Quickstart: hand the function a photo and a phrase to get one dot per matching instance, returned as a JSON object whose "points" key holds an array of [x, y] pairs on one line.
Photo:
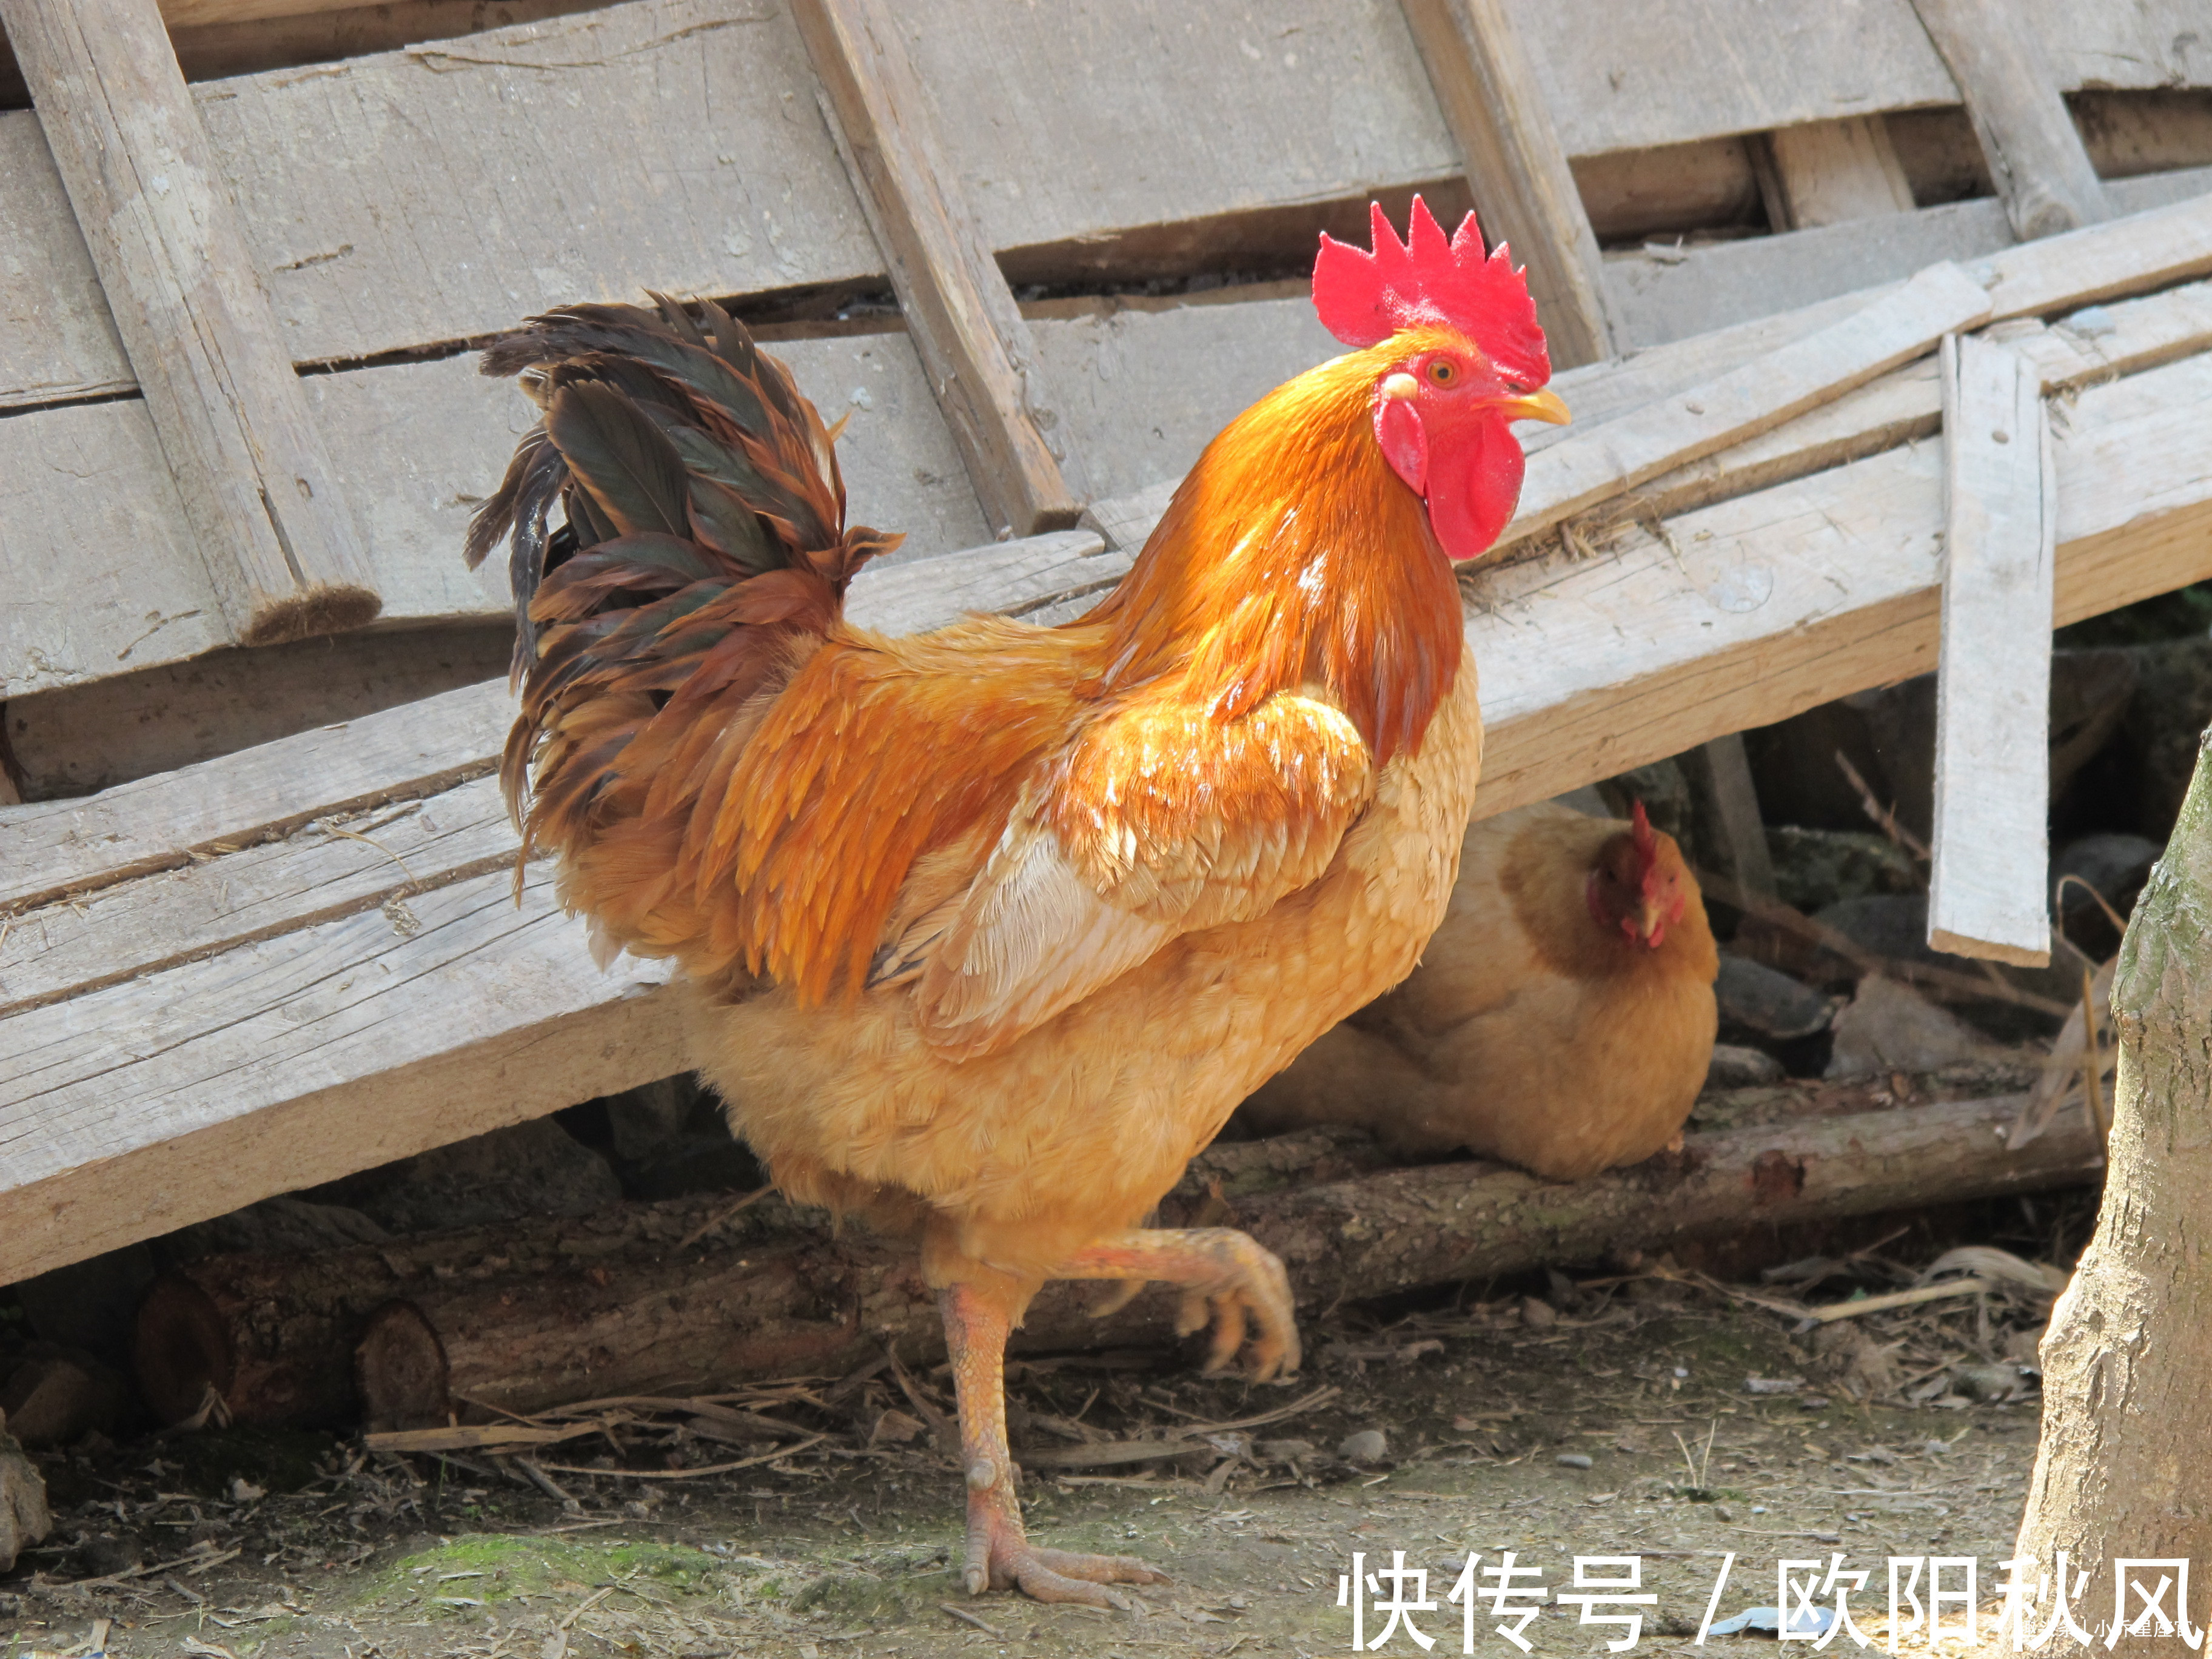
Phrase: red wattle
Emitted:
{"points": [[1405, 442], [1478, 485]]}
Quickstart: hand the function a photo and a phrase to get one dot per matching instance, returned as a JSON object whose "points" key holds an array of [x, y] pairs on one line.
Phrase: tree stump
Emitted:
{"points": [[2127, 1418]]}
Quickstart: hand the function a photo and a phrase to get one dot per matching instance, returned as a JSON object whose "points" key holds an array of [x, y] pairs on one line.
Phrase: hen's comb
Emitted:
{"points": [[1363, 298], [1647, 844]]}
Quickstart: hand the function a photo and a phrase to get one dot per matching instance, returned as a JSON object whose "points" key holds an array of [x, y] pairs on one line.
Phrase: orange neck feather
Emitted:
{"points": [[1293, 557]]}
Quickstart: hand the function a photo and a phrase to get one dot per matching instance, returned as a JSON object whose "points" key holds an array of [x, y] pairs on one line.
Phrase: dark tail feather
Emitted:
{"points": [[704, 524]]}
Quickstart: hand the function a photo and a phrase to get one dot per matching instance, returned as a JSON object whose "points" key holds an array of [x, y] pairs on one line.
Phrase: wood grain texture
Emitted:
{"points": [[1480, 72], [1632, 78], [1828, 173], [282, 556], [57, 339], [300, 1058], [1990, 851], [958, 307], [2012, 93], [1079, 122], [2152, 248], [1617, 455]]}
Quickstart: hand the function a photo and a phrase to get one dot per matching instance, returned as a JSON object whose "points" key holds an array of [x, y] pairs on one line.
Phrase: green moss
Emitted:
{"points": [[512, 1564]]}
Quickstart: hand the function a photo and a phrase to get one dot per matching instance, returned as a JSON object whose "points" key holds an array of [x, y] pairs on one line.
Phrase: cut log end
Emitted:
{"points": [[182, 1347], [326, 608], [1986, 950], [400, 1369]]}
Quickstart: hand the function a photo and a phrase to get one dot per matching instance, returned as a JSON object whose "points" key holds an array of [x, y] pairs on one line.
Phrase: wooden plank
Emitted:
{"points": [[56, 340], [1154, 113], [1615, 457], [1663, 295], [298, 1059], [1480, 72], [2150, 249], [53, 847], [75, 741], [958, 307], [1637, 77], [282, 555], [2042, 172], [1990, 853], [1828, 173], [486, 1014]]}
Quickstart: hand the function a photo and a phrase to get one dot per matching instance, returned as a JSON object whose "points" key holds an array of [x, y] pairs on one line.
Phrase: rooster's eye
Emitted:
{"points": [[1443, 371]]}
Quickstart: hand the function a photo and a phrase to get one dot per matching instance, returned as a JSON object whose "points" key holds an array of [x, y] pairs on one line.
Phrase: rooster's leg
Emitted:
{"points": [[1223, 1273], [1000, 1555]]}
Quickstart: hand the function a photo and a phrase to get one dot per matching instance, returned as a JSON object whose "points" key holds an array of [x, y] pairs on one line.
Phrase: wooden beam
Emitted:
{"points": [[1612, 458], [283, 556], [2153, 249], [958, 306], [2042, 172], [1523, 190], [1990, 851], [1830, 173]]}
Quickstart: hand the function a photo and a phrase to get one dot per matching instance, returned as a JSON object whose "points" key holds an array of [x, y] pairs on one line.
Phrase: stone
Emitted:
{"points": [[1888, 1027], [1574, 1460], [1367, 1446], [1765, 1002], [25, 1519], [1735, 1067], [1814, 868], [1664, 790], [52, 1396]]}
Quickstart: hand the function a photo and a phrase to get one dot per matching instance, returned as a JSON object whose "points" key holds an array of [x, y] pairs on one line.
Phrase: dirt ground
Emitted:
{"points": [[1612, 1418]]}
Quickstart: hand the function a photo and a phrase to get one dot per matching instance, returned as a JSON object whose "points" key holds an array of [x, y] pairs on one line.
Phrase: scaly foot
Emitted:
{"points": [[1001, 1557], [1226, 1278]]}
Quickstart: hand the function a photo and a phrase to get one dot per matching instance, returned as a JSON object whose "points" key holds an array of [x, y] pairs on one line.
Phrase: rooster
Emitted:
{"points": [[1562, 1018], [986, 931]]}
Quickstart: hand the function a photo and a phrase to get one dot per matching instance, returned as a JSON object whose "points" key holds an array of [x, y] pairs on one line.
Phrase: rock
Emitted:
{"points": [[1895, 926], [1769, 1004], [55, 1395], [276, 1226], [1734, 1068], [1368, 1446], [2116, 865], [24, 1517], [1538, 1315], [1889, 1028], [1814, 868], [1574, 1460], [1989, 1383], [91, 1305], [103, 1554], [536, 1168]]}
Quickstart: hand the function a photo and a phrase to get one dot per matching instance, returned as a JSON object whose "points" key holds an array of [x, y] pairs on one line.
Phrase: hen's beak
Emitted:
{"points": [[1544, 405]]}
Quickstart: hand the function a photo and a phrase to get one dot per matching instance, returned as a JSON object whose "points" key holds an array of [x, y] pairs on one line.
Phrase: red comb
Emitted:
{"points": [[1365, 298], [1647, 845]]}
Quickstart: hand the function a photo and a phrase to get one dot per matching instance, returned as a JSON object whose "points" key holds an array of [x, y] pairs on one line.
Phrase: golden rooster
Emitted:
{"points": [[1562, 1018], [989, 930]]}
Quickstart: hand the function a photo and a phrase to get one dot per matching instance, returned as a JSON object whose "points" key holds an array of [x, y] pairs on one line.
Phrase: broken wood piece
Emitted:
{"points": [[1911, 1298], [529, 1314], [1612, 458], [958, 306], [2035, 154], [1828, 173], [487, 1437], [1524, 193], [283, 554], [1989, 851]]}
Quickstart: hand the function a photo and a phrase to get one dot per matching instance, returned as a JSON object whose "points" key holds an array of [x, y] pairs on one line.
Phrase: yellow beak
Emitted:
{"points": [[1544, 405]]}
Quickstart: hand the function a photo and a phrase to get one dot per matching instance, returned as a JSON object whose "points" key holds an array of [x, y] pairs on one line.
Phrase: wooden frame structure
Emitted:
{"points": [[290, 961]]}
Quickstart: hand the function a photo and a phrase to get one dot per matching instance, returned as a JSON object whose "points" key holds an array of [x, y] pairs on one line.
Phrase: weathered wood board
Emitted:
{"points": [[1990, 851]]}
